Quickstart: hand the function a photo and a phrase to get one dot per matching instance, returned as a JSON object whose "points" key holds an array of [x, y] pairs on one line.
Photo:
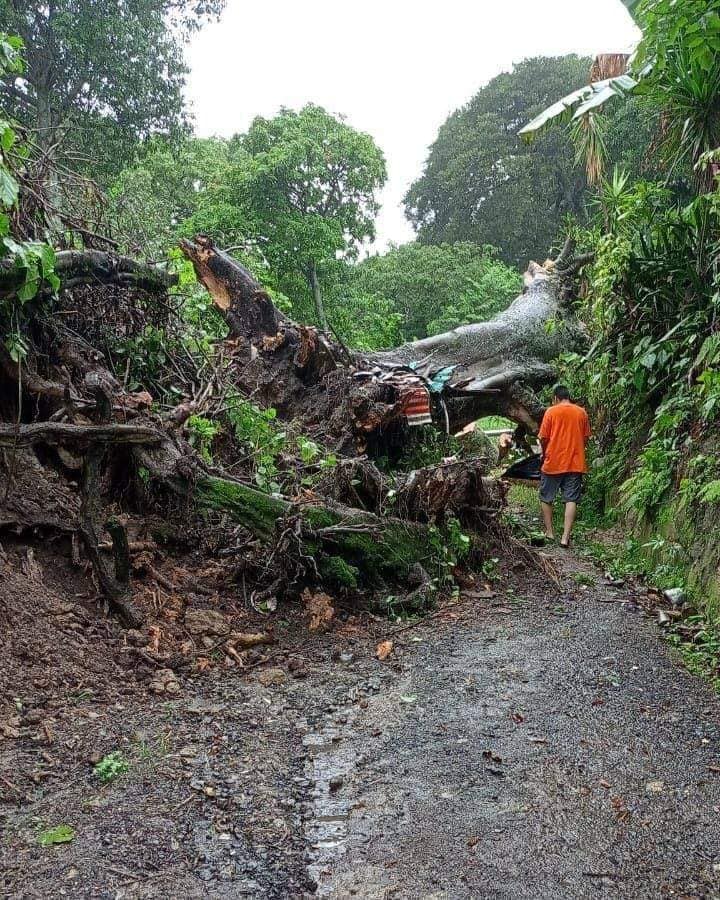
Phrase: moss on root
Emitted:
{"points": [[346, 556], [336, 571]]}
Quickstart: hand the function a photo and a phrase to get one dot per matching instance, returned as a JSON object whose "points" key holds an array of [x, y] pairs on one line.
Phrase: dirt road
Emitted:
{"points": [[539, 744], [553, 750]]}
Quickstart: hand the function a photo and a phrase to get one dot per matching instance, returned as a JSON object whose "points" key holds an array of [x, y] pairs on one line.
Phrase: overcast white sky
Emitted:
{"points": [[394, 68]]}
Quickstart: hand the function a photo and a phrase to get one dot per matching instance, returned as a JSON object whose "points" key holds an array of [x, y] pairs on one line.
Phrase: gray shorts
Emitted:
{"points": [[570, 483]]}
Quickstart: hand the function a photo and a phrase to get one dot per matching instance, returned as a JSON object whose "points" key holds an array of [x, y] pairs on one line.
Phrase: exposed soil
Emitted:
{"points": [[541, 742]]}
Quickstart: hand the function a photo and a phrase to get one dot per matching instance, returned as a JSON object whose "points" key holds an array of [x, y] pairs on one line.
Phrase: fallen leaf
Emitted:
{"points": [[622, 813], [517, 717], [408, 698], [250, 639], [715, 769], [319, 609], [60, 834], [603, 783], [473, 841], [384, 649], [655, 787]]}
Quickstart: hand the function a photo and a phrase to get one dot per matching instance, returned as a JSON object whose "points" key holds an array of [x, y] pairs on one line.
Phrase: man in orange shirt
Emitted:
{"points": [[564, 433]]}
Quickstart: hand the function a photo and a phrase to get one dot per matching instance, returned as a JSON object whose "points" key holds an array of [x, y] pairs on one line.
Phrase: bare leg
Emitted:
{"points": [[570, 514], [547, 514]]}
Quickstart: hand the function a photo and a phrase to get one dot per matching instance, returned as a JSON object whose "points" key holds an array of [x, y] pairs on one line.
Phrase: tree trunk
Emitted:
{"points": [[477, 370], [317, 297]]}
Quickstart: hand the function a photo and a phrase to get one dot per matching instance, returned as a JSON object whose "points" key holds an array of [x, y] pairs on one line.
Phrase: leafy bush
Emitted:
{"points": [[33, 261], [111, 767], [201, 432], [259, 431]]}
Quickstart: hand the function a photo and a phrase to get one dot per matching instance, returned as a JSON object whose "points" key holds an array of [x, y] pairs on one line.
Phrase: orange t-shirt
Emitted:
{"points": [[566, 429]]}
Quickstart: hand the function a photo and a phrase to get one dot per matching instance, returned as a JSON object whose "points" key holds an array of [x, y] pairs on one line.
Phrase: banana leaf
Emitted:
{"points": [[578, 104]]}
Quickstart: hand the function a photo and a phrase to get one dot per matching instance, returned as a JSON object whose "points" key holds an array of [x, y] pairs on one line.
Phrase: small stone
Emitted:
{"points": [[206, 621], [655, 787], [336, 782], [674, 596], [172, 687], [271, 677]]}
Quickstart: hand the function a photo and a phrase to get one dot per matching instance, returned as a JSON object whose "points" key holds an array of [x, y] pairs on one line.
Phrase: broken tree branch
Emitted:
{"points": [[76, 267], [63, 433]]}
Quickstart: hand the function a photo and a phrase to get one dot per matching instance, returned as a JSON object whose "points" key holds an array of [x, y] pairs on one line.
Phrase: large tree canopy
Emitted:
{"points": [[481, 183], [299, 189], [311, 186], [101, 74]]}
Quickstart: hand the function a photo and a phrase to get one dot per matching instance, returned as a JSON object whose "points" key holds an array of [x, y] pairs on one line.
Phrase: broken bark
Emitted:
{"points": [[457, 488], [487, 368]]}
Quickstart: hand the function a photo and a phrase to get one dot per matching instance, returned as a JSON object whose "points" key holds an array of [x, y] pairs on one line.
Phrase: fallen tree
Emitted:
{"points": [[80, 453], [486, 368]]}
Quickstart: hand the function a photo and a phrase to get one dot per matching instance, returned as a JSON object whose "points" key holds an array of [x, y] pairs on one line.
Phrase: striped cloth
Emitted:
{"points": [[415, 405]]}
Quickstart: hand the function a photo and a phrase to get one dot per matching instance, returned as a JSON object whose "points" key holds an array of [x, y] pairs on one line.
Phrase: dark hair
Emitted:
{"points": [[561, 392]]}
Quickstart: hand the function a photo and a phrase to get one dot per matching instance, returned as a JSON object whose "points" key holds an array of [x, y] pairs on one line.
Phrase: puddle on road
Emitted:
{"points": [[329, 768]]}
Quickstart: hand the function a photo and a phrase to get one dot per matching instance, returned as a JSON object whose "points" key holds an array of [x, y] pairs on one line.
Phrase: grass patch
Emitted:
{"points": [[492, 423]]}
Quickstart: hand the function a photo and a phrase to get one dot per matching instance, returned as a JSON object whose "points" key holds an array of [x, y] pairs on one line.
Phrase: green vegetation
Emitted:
{"points": [[651, 379], [100, 75], [60, 834], [111, 766], [430, 288], [482, 184], [31, 262], [296, 197]]}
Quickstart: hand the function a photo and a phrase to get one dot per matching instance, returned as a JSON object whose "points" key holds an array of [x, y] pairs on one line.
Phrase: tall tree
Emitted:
{"points": [[310, 182], [100, 74], [481, 183]]}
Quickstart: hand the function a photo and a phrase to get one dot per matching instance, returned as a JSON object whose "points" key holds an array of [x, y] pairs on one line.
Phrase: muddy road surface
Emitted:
{"points": [[539, 743]]}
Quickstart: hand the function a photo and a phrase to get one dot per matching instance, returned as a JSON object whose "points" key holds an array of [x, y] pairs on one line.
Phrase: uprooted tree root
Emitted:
{"points": [[82, 455]]}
